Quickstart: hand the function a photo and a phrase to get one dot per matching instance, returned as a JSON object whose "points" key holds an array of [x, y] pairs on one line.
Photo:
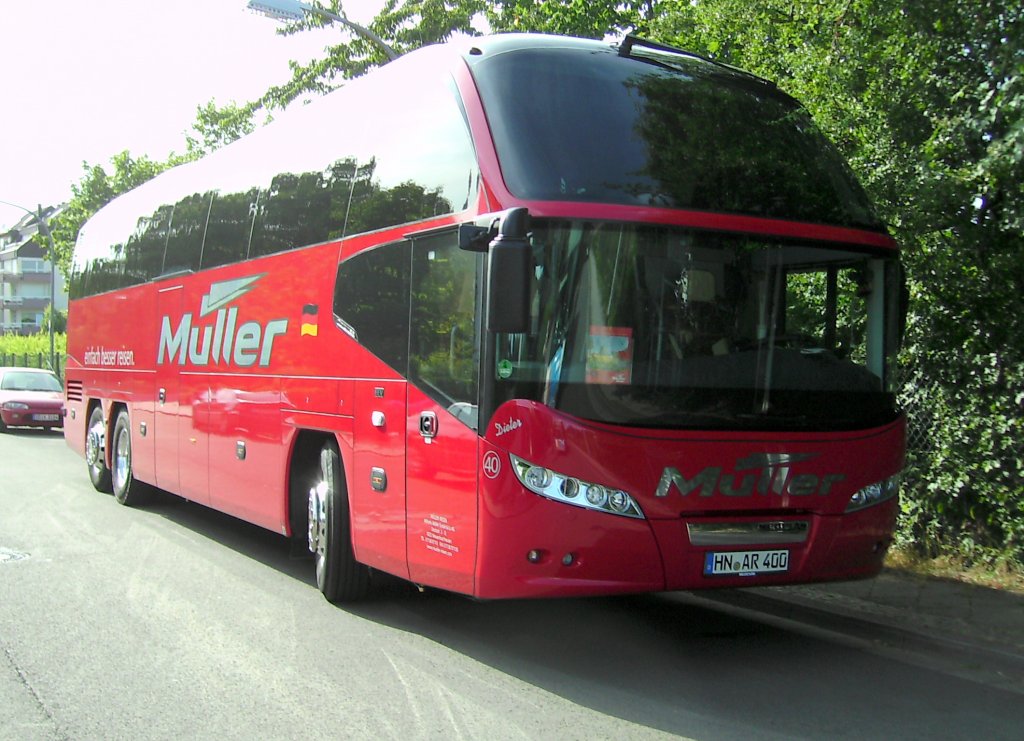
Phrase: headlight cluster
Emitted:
{"points": [[874, 493], [15, 405], [562, 488]]}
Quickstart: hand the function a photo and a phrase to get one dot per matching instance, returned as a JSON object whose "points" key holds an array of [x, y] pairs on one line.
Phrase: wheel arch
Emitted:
{"points": [[303, 469]]}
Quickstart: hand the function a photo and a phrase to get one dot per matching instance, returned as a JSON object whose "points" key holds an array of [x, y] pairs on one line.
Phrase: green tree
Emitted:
{"points": [[97, 188], [59, 319], [405, 26], [214, 127]]}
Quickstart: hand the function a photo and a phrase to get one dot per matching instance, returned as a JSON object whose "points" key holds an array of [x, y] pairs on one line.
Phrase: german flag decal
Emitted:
{"points": [[309, 320]]}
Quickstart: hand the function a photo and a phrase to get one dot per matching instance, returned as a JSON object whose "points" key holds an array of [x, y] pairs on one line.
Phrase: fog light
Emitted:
{"points": [[568, 559], [534, 556]]}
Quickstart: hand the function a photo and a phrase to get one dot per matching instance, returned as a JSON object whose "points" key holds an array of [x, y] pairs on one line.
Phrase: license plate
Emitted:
{"points": [[45, 417], [745, 563]]}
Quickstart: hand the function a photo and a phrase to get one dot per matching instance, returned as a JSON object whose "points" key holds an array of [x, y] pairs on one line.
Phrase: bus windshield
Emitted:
{"points": [[671, 328], [671, 132]]}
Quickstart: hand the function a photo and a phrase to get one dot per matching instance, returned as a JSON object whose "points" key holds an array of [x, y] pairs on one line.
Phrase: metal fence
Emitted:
{"points": [[33, 360], [921, 400]]}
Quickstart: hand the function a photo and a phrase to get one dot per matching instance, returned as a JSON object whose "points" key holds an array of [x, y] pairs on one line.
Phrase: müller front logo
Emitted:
{"points": [[771, 473], [220, 340]]}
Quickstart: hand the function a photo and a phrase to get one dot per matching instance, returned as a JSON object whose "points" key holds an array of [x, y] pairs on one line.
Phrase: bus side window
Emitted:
{"points": [[229, 228], [371, 301], [444, 360], [185, 236]]}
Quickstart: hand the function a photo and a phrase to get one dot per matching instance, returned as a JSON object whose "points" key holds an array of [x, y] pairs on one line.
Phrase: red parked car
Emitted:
{"points": [[30, 398]]}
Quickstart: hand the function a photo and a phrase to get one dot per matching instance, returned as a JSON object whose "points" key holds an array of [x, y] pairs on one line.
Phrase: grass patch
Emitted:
{"points": [[1000, 575]]}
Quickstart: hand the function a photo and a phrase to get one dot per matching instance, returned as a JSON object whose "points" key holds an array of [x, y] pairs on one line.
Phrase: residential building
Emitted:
{"points": [[25, 275]]}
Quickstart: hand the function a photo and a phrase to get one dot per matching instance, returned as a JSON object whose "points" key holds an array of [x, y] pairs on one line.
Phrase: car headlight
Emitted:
{"points": [[875, 493], [15, 406], [579, 493]]}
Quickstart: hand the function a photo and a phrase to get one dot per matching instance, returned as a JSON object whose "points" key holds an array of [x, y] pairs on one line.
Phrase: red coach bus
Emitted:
{"points": [[515, 316]]}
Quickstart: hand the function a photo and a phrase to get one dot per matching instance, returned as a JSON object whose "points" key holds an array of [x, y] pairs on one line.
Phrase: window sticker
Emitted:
{"points": [[610, 355]]}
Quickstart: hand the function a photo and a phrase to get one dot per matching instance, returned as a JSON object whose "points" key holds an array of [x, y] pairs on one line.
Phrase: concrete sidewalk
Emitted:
{"points": [[931, 607], [981, 625]]}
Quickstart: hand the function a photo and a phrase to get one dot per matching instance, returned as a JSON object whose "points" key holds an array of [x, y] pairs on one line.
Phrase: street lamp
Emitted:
{"points": [[293, 10], [44, 229]]}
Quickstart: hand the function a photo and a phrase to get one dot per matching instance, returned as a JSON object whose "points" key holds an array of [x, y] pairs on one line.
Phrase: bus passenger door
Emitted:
{"points": [[165, 418], [442, 443]]}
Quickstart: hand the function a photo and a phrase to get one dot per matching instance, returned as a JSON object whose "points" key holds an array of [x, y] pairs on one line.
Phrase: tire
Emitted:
{"points": [[95, 451], [127, 490], [338, 575]]}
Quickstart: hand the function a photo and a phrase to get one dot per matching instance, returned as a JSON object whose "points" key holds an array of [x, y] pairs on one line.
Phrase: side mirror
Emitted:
{"points": [[510, 274]]}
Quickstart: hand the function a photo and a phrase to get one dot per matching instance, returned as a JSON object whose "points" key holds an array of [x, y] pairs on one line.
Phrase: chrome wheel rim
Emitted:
{"points": [[122, 458], [94, 446], [318, 519]]}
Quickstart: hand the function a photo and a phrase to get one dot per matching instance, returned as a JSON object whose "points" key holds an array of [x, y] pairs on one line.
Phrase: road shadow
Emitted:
{"points": [[33, 432], [670, 662]]}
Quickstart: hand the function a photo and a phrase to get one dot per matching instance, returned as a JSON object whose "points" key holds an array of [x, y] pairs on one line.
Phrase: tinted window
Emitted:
{"points": [[371, 302], [185, 235], [342, 165], [675, 132], [443, 344], [229, 227]]}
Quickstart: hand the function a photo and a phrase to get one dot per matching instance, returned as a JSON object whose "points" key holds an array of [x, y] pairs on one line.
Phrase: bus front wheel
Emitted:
{"points": [[95, 450], [338, 575]]}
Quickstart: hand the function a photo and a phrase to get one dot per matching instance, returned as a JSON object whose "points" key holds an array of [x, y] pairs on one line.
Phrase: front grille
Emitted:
{"points": [[748, 533]]}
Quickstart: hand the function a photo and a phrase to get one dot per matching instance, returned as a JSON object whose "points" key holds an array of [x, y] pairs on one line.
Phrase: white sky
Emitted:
{"points": [[83, 80]]}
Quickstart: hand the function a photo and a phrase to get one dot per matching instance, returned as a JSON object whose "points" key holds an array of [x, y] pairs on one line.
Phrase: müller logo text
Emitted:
{"points": [[221, 340], [770, 473]]}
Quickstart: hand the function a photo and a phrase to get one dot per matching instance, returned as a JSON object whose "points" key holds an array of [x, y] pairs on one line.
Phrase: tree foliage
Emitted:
{"points": [[216, 126], [97, 188], [408, 25]]}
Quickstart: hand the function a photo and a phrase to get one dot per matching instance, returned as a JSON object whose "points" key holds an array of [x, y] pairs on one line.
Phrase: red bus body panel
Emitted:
{"points": [[611, 553]]}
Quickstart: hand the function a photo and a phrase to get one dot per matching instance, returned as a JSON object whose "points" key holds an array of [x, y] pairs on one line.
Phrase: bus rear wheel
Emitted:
{"points": [[127, 490], [338, 575], [95, 450]]}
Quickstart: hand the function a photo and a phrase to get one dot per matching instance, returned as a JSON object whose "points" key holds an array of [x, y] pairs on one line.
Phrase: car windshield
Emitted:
{"points": [[662, 327], [24, 381]]}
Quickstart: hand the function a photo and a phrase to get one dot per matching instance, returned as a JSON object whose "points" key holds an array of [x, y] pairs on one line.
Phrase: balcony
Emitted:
{"points": [[35, 277], [30, 302]]}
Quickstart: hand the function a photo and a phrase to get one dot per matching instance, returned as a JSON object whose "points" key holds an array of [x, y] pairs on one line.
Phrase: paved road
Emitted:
{"points": [[175, 622]]}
